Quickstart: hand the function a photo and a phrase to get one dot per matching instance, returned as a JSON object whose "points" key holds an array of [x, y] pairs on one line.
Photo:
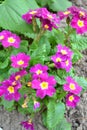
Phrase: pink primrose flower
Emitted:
{"points": [[11, 91], [28, 125], [44, 86], [72, 100], [20, 60], [72, 86], [38, 69]]}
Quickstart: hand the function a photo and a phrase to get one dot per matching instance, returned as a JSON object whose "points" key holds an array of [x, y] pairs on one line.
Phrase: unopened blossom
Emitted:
{"points": [[38, 69], [28, 125], [11, 40], [36, 104], [72, 86], [11, 91], [44, 86], [20, 60], [72, 100]]}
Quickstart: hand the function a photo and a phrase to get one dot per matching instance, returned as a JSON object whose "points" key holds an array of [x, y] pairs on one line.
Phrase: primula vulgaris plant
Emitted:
{"points": [[38, 74]]}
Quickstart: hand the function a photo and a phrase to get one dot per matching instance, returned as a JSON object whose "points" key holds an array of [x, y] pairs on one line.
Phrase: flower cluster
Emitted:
{"points": [[48, 20], [8, 38], [20, 60], [74, 89], [42, 82], [78, 18], [63, 58], [9, 88]]}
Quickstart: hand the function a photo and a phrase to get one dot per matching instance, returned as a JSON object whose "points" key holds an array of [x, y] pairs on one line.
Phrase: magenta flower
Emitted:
{"points": [[64, 14], [79, 24], [72, 100], [77, 12], [28, 125], [48, 20], [36, 105], [67, 65], [72, 86], [64, 50], [2, 91], [11, 40], [38, 69], [20, 60], [18, 75], [62, 61], [11, 91], [29, 16], [4, 34], [44, 86]]}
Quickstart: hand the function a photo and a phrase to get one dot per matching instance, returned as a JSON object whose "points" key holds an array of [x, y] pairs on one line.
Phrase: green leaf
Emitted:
{"points": [[59, 5], [13, 10], [63, 125], [78, 42], [23, 48], [76, 56], [55, 113], [7, 104], [4, 64], [82, 82], [39, 55], [12, 70]]}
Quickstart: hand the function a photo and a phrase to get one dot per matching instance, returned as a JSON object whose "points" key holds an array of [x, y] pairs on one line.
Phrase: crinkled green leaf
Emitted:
{"points": [[63, 125], [82, 82], [55, 113], [59, 5], [11, 12]]}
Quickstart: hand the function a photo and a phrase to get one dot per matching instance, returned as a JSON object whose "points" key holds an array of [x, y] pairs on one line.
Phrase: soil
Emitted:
{"points": [[77, 116]]}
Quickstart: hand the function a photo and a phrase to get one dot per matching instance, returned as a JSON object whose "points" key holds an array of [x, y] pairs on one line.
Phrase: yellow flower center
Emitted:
{"points": [[46, 26], [38, 72], [17, 77], [58, 59], [11, 40], [67, 62], [44, 85], [66, 12], [72, 86], [1, 37], [20, 62], [64, 52], [33, 12], [11, 89], [71, 98], [81, 13], [50, 16], [80, 23]]}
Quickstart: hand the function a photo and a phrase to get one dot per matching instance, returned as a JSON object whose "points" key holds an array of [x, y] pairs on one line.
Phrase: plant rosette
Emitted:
{"points": [[37, 74]]}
